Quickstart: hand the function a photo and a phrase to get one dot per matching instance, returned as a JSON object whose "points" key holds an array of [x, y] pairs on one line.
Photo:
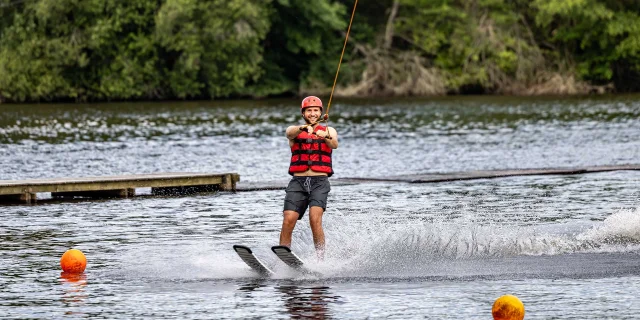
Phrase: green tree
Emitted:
{"points": [[213, 46], [193, 49], [301, 41], [111, 49], [478, 44], [603, 36]]}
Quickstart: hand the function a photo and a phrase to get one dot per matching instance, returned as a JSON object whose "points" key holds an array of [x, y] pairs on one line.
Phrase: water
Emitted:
{"points": [[567, 246]]}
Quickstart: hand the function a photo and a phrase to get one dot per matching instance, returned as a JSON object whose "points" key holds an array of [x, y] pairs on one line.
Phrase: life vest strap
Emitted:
{"points": [[311, 163], [310, 152], [308, 141]]}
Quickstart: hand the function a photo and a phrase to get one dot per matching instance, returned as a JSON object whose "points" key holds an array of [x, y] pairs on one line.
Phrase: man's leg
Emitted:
{"points": [[315, 219], [289, 220]]}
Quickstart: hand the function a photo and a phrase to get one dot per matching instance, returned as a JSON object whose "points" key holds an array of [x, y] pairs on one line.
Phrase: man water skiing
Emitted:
{"points": [[311, 146]]}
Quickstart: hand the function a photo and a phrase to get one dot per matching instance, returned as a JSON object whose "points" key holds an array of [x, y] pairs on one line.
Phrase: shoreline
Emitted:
{"points": [[336, 96]]}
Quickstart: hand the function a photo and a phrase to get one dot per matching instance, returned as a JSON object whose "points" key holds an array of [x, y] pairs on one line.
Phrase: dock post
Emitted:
{"points": [[28, 197], [229, 182]]}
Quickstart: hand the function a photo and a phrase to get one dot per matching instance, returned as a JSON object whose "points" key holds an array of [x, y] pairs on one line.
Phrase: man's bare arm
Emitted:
{"points": [[330, 139], [333, 142], [293, 131]]}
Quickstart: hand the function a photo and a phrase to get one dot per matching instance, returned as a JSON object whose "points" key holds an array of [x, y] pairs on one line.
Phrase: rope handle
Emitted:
{"points": [[304, 127]]}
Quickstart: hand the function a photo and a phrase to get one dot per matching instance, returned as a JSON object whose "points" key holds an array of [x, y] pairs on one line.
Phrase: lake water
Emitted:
{"points": [[567, 246]]}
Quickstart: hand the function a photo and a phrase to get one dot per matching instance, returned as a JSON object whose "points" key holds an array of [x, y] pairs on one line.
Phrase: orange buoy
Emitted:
{"points": [[73, 261], [508, 307]]}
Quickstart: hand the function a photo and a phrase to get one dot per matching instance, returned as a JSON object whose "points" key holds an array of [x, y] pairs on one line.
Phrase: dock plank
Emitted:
{"points": [[60, 186]]}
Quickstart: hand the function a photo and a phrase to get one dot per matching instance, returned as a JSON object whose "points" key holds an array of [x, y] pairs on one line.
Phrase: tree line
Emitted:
{"points": [[97, 50]]}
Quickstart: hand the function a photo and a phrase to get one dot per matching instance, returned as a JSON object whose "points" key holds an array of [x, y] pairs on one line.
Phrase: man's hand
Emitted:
{"points": [[306, 128], [321, 133]]}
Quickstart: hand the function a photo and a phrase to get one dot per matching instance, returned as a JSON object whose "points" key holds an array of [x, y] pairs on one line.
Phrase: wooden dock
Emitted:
{"points": [[24, 191]]}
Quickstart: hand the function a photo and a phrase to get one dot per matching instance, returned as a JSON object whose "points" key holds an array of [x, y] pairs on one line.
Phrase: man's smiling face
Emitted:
{"points": [[312, 114]]}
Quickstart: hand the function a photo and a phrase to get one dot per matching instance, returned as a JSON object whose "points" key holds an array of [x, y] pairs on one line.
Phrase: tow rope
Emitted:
{"points": [[325, 118], [335, 80]]}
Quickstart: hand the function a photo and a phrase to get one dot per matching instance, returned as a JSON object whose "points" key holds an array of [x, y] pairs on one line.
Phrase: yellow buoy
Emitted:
{"points": [[508, 307], [73, 261]]}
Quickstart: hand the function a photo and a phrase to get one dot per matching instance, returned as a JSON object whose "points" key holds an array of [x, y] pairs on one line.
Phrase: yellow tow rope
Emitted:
{"points": [[335, 80]]}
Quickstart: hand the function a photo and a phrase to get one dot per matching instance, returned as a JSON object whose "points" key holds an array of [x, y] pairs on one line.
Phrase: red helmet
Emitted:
{"points": [[311, 101]]}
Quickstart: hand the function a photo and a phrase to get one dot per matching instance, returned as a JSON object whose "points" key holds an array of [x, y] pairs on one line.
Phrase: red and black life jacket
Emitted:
{"points": [[310, 151]]}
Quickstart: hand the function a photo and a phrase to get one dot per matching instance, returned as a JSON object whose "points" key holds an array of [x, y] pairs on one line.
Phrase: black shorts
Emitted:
{"points": [[303, 192]]}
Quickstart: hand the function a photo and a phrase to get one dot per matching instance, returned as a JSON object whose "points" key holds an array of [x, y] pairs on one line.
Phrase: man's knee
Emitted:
{"points": [[315, 216], [290, 217]]}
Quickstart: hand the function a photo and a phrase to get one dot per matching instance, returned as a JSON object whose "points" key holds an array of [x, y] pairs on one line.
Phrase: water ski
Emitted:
{"points": [[288, 257], [252, 261]]}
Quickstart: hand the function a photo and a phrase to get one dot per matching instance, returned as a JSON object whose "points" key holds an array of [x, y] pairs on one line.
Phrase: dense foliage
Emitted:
{"points": [[53, 50]]}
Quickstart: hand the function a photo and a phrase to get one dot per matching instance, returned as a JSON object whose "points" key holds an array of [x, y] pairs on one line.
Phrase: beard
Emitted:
{"points": [[307, 120]]}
